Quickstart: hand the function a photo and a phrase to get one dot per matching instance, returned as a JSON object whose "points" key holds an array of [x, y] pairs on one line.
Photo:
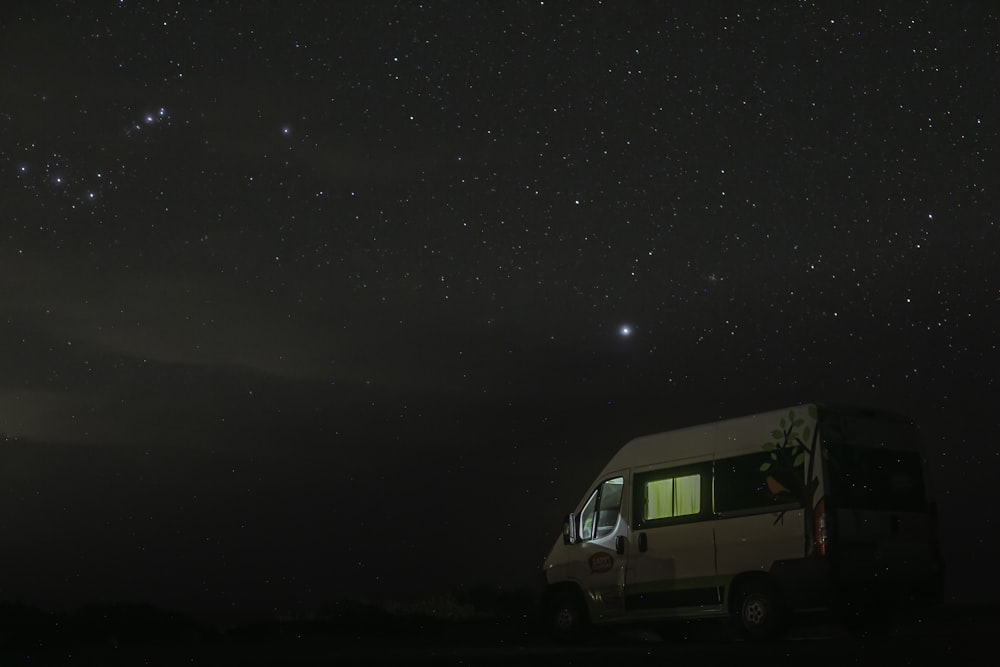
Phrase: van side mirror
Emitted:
{"points": [[569, 529]]}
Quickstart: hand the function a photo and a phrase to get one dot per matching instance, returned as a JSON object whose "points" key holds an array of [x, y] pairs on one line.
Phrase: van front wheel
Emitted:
{"points": [[760, 612], [566, 617]]}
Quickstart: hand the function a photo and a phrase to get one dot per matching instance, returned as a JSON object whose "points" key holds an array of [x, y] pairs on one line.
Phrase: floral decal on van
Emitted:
{"points": [[790, 472]]}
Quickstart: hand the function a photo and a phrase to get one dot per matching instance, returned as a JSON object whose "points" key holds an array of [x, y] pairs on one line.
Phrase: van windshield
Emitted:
{"points": [[872, 461]]}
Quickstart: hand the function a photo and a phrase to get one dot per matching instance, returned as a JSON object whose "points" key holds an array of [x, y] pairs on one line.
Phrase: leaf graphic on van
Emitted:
{"points": [[790, 472]]}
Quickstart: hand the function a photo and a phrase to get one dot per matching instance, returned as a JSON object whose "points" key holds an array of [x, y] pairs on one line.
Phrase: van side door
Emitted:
{"points": [[672, 569]]}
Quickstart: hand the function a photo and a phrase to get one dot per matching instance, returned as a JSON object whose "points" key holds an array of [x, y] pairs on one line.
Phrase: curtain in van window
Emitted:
{"points": [[674, 496]]}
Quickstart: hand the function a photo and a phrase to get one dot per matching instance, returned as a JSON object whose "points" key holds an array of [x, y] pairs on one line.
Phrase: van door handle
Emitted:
{"points": [[643, 544], [620, 545]]}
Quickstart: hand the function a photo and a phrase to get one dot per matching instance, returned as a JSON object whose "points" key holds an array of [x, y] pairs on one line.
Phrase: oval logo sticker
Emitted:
{"points": [[601, 562]]}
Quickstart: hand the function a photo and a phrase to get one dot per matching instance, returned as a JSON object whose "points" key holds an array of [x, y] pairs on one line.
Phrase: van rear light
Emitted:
{"points": [[820, 528]]}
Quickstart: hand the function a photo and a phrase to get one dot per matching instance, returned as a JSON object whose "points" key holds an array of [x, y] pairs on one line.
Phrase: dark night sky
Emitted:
{"points": [[302, 301]]}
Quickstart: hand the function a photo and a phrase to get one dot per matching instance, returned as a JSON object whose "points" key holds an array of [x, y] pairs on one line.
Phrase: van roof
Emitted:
{"points": [[705, 441]]}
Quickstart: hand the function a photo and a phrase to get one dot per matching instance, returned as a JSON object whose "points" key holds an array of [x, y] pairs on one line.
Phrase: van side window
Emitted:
{"points": [[668, 495], [741, 487], [600, 515], [673, 496]]}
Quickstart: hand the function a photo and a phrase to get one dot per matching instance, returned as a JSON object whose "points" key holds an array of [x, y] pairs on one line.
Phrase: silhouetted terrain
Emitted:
{"points": [[471, 626], [24, 628]]}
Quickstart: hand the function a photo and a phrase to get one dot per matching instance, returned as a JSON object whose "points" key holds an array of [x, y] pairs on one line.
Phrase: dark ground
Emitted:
{"points": [[353, 633]]}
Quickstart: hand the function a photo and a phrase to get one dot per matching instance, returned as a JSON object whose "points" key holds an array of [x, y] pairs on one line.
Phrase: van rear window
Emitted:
{"points": [[876, 479]]}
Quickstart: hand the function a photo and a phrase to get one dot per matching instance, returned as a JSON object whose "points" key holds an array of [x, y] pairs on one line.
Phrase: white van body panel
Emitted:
{"points": [[704, 510], [755, 542]]}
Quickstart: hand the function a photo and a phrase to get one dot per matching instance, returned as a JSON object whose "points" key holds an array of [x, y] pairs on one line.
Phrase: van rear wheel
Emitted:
{"points": [[759, 610]]}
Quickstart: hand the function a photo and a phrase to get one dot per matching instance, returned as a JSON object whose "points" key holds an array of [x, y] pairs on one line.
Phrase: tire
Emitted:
{"points": [[565, 617], [759, 611]]}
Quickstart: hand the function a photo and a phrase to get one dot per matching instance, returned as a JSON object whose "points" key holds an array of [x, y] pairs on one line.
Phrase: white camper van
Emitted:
{"points": [[803, 508]]}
